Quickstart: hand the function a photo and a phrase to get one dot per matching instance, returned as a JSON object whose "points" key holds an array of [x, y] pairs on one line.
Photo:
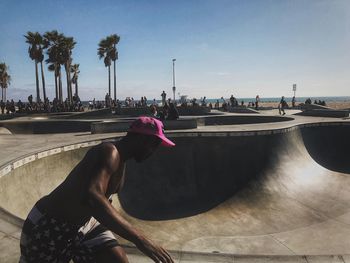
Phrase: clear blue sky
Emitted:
{"points": [[222, 47]]}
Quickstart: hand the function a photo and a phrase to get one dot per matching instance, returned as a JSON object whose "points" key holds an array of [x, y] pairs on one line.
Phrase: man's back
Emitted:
{"points": [[69, 201]]}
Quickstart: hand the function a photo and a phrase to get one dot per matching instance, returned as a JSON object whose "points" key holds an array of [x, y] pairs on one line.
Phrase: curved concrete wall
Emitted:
{"points": [[329, 146]]}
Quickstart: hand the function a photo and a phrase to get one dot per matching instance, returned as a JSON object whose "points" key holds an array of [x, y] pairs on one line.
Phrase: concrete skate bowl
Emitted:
{"points": [[260, 193]]}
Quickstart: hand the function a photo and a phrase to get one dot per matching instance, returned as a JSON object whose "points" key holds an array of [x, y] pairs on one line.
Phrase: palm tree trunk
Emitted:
{"points": [[60, 85], [5, 94], [68, 88], [115, 81], [2, 93], [56, 86], [43, 80], [76, 87], [109, 80], [70, 84], [37, 82]]}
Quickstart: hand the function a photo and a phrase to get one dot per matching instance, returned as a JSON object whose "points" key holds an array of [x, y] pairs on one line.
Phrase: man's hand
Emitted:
{"points": [[157, 253]]}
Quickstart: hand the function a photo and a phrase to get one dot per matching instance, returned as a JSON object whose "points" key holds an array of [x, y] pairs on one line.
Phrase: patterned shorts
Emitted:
{"points": [[48, 239]]}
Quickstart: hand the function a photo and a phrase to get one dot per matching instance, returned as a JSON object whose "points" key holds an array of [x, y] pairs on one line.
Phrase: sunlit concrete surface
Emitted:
{"points": [[296, 205]]}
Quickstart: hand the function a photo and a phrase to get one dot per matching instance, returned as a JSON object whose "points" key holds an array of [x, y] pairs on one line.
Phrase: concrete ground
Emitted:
{"points": [[327, 240]]}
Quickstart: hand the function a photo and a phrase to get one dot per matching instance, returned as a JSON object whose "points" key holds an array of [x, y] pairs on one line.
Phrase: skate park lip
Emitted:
{"points": [[305, 218], [44, 124]]}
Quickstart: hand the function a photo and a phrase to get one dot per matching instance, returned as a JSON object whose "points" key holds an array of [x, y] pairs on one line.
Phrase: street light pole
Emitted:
{"points": [[174, 88]]}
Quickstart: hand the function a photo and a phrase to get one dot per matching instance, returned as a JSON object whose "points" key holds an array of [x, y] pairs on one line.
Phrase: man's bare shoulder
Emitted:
{"points": [[106, 154]]}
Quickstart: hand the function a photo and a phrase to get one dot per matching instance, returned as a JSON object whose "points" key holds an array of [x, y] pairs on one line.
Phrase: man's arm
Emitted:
{"points": [[107, 215]]}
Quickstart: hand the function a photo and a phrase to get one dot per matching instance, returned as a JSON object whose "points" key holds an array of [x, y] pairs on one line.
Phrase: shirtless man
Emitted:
{"points": [[76, 220]]}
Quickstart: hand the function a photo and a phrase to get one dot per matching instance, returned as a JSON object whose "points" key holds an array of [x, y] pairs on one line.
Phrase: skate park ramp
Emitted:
{"points": [[276, 193]]}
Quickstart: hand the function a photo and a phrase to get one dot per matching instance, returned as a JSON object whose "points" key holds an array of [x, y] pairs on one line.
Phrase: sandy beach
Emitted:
{"points": [[337, 105]]}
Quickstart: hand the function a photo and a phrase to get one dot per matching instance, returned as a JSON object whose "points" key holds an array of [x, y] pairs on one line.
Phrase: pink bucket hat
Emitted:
{"points": [[150, 126]]}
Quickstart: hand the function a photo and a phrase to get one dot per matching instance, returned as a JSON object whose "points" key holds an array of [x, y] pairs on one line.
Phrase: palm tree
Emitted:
{"points": [[42, 45], [104, 51], [67, 45], [75, 70], [5, 80], [35, 40], [53, 41], [114, 40]]}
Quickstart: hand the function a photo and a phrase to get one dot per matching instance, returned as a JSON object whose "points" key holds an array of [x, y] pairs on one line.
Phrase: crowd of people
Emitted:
{"points": [[47, 106], [317, 102], [166, 110]]}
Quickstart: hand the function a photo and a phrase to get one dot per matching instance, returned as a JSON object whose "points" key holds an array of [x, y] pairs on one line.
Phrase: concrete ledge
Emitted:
{"points": [[193, 110], [325, 113], [133, 112], [183, 111], [123, 126], [241, 109], [46, 126], [240, 119], [110, 126], [106, 113], [304, 106]]}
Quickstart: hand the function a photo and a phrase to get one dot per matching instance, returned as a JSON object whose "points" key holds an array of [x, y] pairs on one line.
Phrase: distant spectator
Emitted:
{"points": [[108, 100], [257, 100], [153, 111], [173, 113], [163, 95], [204, 103], [163, 114], [282, 105], [12, 107], [30, 99], [217, 104], [194, 102], [2, 105], [224, 106], [308, 101], [8, 107], [293, 101], [232, 100]]}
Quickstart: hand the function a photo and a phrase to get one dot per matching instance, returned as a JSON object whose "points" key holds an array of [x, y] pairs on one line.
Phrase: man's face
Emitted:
{"points": [[147, 146]]}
